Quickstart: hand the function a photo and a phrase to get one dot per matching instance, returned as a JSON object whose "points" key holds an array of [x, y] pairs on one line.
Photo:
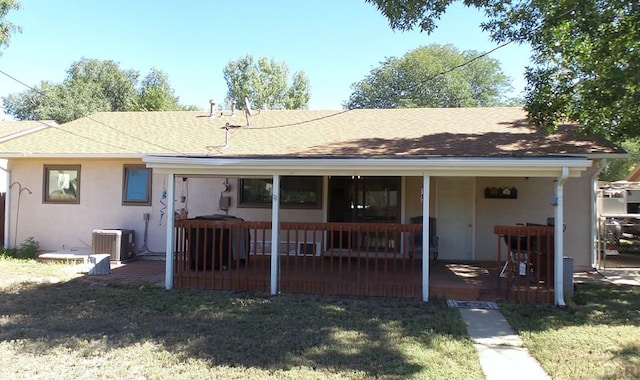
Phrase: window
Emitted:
{"points": [[136, 186], [295, 192], [61, 184]]}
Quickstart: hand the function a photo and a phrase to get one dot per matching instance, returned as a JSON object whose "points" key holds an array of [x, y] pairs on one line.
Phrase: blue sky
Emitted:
{"points": [[335, 42]]}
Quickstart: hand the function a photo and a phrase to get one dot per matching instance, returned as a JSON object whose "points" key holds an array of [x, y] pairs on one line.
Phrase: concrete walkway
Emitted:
{"points": [[502, 355]]}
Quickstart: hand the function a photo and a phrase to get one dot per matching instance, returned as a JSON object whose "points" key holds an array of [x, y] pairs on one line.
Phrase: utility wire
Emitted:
{"points": [[467, 62], [92, 119]]}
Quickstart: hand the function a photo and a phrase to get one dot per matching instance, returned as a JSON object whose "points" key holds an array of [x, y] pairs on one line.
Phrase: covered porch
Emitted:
{"points": [[377, 260], [368, 259]]}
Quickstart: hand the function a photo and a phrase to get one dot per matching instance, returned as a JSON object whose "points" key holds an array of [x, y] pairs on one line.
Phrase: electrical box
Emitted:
{"points": [[224, 203]]}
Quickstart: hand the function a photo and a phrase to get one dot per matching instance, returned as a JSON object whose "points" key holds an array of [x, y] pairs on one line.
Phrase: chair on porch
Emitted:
{"points": [[415, 242]]}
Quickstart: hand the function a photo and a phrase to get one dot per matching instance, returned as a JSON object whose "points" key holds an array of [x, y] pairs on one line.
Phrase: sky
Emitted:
{"points": [[334, 42]]}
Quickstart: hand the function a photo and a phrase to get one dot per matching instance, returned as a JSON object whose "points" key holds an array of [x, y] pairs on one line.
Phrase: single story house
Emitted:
{"points": [[467, 169]]}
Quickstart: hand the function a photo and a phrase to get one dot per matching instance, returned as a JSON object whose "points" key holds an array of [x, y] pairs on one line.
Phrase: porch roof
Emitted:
{"points": [[463, 167], [468, 133]]}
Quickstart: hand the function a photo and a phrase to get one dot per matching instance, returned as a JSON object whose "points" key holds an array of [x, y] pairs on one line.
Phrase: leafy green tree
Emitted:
{"points": [[617, 170], [50, 101], [104, 81], [156, 94], [6, 27], [90, 86], [415, 80], [586, 55], [264, 82]]}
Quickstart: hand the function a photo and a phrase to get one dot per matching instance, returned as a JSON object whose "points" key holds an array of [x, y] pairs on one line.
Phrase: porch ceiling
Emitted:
{"points": [[452, 167]]}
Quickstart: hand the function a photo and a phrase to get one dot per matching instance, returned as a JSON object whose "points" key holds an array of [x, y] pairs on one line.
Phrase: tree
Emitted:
{"points": [[415, 81], [265, 84], [617, 170], [90, 86], [586, 55], [104, 81], [156, 94], [6, 27]]}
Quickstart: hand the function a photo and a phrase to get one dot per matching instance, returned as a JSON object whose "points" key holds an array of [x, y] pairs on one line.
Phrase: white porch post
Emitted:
{"points": [[425, 237], [275, 230], [168, 275], [558, 247]]}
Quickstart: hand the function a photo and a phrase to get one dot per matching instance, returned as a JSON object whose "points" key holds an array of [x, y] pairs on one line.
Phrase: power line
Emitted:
{"points": [[92, 119], [467, 62]]}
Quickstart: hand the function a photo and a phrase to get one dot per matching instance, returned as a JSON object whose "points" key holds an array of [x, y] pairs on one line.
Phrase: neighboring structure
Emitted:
{"points": [[470, 168], [619, 224], [620, 197], [634, 176]]}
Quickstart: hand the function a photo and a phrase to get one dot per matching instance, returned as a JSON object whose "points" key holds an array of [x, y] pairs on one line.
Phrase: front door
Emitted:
{"points": [[362, 200], [456, 211]]}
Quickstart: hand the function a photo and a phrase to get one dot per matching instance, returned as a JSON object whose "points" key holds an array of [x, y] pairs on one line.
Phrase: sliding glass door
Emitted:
{"points": [[363, 200]]}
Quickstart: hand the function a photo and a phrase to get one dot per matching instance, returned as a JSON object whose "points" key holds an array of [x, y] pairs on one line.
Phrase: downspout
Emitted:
{"points": [[594, 212], [559, 241], [168, 275], [275, 230], [425, 238]]}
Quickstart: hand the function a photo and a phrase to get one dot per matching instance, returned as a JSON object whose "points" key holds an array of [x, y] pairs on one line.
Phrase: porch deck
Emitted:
{"points": [[460, 281], [350, 259]]}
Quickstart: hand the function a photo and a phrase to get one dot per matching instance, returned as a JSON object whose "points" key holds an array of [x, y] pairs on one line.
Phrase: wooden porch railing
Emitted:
{"points": [[318, 258], [527, 264]]}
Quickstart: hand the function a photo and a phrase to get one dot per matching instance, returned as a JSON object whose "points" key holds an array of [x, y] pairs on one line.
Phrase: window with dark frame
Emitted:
{"points": [[295, 192], [61, 184], [136, 185]]}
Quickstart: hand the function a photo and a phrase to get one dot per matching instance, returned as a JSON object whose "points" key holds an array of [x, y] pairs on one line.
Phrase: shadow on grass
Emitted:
{"points": [[593, 304], [334, 333], [628, 359]]}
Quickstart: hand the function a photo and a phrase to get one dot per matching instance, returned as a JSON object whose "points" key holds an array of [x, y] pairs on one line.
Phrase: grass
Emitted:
{"points": [[56, 325], [595, 337]]}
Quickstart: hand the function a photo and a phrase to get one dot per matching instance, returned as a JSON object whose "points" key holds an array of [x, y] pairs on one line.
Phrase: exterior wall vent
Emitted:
{"points": [[117, 243]]}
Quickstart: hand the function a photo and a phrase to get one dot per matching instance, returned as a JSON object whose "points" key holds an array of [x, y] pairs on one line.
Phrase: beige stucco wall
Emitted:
{"points": [[534, 206], [70, 226], [411, 194]]}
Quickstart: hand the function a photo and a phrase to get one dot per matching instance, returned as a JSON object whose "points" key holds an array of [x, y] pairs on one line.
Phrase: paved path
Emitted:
{"points": [[502, 355]]}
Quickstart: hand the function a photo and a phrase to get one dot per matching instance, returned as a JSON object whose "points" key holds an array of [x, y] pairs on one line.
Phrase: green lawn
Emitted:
{"points": [[56, 325], [595, 337]]}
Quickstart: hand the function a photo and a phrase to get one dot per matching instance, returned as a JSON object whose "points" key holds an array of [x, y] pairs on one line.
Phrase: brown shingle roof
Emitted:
{"points": [[415, 132]]}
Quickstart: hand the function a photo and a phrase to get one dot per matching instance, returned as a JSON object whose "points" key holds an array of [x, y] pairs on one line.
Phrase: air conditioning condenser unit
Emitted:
{"points": [[118, 243]]}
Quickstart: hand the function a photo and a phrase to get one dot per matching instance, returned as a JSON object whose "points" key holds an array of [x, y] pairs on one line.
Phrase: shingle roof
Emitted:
{"points": [[415, 132], [11, 127]]}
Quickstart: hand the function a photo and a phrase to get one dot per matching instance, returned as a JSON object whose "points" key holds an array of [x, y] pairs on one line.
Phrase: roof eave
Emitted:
{"points": [[10, 155], [463, 167]]}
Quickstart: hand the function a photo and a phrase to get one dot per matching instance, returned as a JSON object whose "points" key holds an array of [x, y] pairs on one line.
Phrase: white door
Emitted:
{"points": [[455, 217]]}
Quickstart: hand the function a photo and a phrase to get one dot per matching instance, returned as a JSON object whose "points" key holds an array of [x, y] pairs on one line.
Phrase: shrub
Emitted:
{"points": [[28, 249]]}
